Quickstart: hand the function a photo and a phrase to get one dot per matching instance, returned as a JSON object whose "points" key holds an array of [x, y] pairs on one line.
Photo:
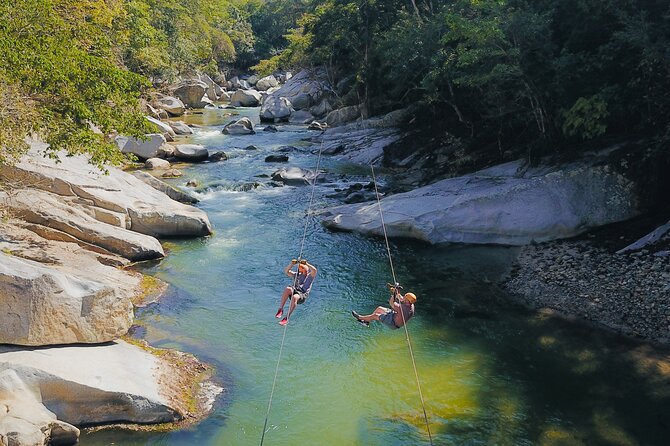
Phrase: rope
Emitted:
{"points": [[295, 281], [402, 313]]}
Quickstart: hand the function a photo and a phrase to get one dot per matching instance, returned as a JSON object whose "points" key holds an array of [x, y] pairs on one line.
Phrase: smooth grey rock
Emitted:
{"points": [[276, 109], [143, 149], [148, 210], [266, 82], [303, 101], [48, 209], [172, 173], [170, 191], [116, 382], [246, 98], [252, 79], [191, 92], [157, 164], [301, 117], [497, 206], [163, 128], [321, 109], [270, 128], [213, 89], [242, 126], [293, 176], [172, 105], [343, 116], [24, 421], [180, 128], [191, 152], [313, 83]]}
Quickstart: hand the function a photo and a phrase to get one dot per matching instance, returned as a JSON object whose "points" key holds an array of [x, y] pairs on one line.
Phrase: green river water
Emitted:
{"points": [[492, 373]]}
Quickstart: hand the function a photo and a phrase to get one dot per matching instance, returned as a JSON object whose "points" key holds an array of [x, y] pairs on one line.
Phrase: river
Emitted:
{"points": [[491, 372]]}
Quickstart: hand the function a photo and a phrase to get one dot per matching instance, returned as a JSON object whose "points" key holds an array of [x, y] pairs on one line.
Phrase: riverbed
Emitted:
{"points": [[491, 372]]}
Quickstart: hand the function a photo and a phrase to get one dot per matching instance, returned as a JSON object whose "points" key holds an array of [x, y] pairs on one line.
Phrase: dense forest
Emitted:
{"points": [[527, 76]]}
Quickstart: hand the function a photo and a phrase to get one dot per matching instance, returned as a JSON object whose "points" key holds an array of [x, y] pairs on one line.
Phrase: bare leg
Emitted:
{"points": [[374, 316], [284, 297], [294, 302]]}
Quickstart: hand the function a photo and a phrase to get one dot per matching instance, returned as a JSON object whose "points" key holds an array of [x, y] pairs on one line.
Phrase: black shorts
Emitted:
{"points": [[301, 295]]}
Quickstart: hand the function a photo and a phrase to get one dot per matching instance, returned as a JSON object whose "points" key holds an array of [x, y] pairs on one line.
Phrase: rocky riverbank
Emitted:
{"points": [[628, 292], [68, 233]]}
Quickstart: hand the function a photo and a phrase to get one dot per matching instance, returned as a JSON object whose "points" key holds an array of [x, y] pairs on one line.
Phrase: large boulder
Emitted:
{"points": [[242, 126], [181, 128], [147, 210], [343, 115], [213, 89], [238, 83], [25, 420], [308, 86], [112, 383], [42, 306], [301, 117], [294, 176], [170, 191], [172, 105], [157, 164], [144, 149], [191, 152], [163, 128], [276, 109], [245, 98], [53, 211], [499, 206], [321, 109], [191, 92], [266, 83]]}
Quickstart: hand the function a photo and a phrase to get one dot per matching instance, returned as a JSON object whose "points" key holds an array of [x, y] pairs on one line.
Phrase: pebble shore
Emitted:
{"points": [[629, 293]]}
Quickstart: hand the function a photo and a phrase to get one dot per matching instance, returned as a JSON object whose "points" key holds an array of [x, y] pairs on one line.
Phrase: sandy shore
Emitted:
{"points": [[629, 293]]}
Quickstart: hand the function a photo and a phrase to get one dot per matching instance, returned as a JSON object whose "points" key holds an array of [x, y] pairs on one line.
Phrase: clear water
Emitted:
{"points": [[492, 373]]}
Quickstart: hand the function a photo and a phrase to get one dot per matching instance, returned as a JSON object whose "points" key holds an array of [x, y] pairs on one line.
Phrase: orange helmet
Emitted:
{"points": [[410, 297]]}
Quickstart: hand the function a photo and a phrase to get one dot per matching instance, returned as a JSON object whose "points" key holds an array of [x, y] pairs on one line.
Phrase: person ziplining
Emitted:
{"points": [[299, 291], [401, 311]]}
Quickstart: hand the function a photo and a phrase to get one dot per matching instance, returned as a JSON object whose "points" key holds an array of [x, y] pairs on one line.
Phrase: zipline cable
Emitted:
{"points": [[402, 313], [295, 281]]}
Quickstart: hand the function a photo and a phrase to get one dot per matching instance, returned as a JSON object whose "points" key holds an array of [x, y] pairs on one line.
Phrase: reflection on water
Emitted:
{"points": [[492, 373]]}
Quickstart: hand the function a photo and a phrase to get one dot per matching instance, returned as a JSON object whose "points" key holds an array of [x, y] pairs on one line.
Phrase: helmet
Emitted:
{"points": [[303, 268], [410, 297]]}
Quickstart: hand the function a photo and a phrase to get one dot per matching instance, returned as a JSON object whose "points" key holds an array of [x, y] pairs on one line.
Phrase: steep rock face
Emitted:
{"points": [[43, 305], [149, 211], [499, 206]]}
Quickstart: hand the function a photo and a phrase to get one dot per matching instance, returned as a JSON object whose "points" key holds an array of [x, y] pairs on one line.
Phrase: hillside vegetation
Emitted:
{"points": [[519, 76]]}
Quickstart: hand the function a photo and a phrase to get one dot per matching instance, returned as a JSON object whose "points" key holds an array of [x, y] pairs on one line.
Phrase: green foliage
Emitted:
{"points": [[56, 56], [587, 118], [505, 74]]}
